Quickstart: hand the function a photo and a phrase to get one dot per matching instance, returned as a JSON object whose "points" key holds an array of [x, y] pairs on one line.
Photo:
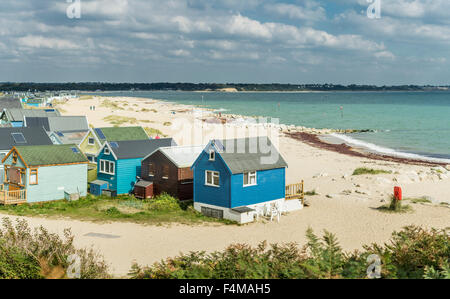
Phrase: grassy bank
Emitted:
{"points": [[163, 209]]}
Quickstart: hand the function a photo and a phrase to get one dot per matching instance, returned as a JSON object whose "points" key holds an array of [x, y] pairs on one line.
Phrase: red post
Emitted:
{"points": [[398, 193]]}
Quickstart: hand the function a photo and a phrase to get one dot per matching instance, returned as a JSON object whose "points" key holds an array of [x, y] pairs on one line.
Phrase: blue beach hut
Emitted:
{"points": [[235, 178]]}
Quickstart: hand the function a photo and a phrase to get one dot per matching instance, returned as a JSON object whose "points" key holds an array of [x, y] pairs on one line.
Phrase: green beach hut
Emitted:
{"points": [[43, 173]]}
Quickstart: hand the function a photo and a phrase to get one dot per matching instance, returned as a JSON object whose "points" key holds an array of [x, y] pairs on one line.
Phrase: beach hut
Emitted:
{"points": [[94, 140], [8, 102], [10, 137], [119, 162], [43, 173], [15, 117], [168, 169], [236, 179]]}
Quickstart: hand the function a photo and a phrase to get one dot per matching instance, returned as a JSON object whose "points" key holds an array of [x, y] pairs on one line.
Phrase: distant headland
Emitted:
{"points": [[211, 87]]}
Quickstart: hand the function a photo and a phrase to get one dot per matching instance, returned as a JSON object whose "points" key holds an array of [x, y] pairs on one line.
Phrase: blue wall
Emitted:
{"points": [[111, 179], [126, 171], [218, 196], [271, 185]]}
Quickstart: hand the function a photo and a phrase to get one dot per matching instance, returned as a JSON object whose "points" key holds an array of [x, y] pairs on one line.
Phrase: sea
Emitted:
{"points": [[405, 124]]}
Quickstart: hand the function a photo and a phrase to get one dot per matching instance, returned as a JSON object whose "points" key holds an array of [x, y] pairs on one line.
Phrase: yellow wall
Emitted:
{"points": [[90, 149]]}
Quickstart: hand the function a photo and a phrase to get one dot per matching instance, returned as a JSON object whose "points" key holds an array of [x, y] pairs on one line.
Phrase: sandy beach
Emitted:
{"points": [[345, 204]]}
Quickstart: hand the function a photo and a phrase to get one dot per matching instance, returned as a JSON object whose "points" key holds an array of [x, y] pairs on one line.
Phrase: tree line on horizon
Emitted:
{"points": [[104, 86]]}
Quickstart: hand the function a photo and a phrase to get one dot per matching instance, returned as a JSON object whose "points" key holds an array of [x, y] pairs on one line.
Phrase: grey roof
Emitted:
{"points": [[9, 102], [247, 154], [182, 156], [19, 114], [59, 123], [41, 122], [143, 183], [132, 149], [33, 136], [70, 137]]}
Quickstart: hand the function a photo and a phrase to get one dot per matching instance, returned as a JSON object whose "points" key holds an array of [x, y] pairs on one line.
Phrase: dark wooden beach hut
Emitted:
{"points": [[168, 170]]}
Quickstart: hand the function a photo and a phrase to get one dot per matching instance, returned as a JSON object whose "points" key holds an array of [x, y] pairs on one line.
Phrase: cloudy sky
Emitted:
{"points": [[258, 41]]}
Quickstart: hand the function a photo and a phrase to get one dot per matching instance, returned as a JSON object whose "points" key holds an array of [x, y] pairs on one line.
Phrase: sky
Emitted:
{"points": [[236, 41]]}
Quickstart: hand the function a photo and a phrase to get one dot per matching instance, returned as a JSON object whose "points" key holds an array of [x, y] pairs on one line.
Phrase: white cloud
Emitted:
{"points": [[33, 41], [311, 11]]}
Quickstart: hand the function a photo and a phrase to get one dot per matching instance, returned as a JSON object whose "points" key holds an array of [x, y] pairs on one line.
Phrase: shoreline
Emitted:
{"points": [[343, 148], [308, 135]]}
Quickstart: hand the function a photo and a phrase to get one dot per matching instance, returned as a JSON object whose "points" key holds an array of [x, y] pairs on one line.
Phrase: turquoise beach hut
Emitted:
{"points": [[43, 173], [119, 163]]}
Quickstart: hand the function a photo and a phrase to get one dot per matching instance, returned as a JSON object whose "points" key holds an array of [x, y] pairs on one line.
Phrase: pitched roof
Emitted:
{"points": [[120, 133], [132, 149], [33, 136], [59, 123], [9, 102], [74, 137], [182, 156], [51, 154], [247, 154], [14, 114]]}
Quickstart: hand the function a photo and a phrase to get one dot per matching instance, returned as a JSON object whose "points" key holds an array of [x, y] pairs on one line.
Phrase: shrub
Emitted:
{"points": [[165, 202], [411, 253], [37, 253]]}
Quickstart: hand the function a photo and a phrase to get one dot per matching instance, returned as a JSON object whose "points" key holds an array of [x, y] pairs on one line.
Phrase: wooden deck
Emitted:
{"points": [[295, 191], [12, 197]]}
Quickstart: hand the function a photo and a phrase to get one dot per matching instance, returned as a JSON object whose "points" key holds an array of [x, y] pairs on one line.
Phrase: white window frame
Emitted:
{"points": [[212, 155], [89, 141], [250, 174], [107, 151], [213, 175], [111, 165]]}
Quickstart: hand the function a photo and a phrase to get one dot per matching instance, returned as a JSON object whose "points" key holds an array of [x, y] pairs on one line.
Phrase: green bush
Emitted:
{"points": [[411, 253], [27, 253], [17, 264], [165, 202]]}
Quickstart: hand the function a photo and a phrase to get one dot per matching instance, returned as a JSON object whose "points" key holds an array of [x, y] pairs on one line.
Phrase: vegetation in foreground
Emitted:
{"points": [[412, 253], [163, 209], [364, 170], [36, 254]]}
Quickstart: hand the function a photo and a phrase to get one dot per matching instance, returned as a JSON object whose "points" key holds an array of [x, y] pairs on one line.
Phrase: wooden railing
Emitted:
{"points": [[295, 191], [12, 197]]}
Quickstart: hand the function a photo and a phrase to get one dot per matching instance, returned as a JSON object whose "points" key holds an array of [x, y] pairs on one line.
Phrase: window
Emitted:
{"points": [[212, 178], [14, 158], [18, 138], [107, 167], [91, 158], [151, 169], [212, 155], [91, 141], [250, 178], [165, 172], [214, 213], [107, 151], [33, 176]]}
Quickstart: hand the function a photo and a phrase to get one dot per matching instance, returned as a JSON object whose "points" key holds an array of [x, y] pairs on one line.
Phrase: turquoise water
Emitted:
{"points": [[407, 122]]}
